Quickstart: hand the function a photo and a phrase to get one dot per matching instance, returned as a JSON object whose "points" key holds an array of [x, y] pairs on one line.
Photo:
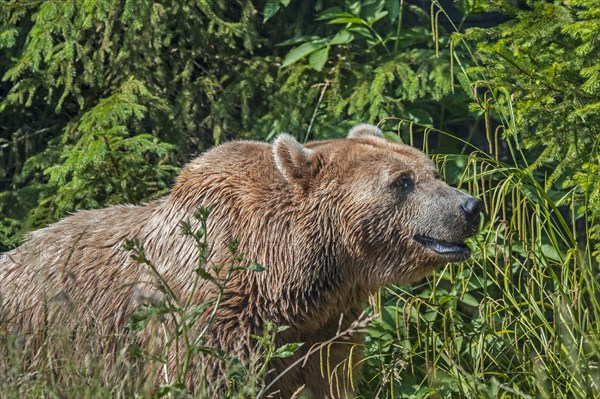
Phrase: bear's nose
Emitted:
{"points": [[472, 208]]}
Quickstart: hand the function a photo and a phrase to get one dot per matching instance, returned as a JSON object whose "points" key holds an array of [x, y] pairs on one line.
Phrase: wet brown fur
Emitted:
{"points": [[325, 219]]}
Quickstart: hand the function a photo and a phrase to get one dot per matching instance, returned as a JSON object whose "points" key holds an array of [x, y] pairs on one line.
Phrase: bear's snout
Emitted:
{"points": [[472, 208]]}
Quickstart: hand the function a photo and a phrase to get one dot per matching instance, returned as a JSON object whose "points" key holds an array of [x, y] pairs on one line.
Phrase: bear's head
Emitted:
{"points": [[384, 202]]}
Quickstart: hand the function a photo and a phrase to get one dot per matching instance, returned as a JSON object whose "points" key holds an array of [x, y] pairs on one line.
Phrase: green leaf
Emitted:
{"points": [[348, 20], [420, 116], [330, 13], [204, 274], [287, 350], [318, 59], [470, 300], [342, 37], [297, 53], [550, 252], [255, 267], [233, 246], [141, 316], [271, 8], [280, 329], [175, 390], [300, 39], [393, 9], [198, 310], [392, 137]]}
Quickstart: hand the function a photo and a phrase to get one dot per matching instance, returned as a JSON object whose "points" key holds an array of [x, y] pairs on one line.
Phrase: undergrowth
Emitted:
{"points": [[172, 363], [518, 320]]}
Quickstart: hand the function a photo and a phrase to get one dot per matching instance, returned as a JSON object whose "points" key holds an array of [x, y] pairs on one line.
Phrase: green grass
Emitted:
{"points": [[519, 320]]}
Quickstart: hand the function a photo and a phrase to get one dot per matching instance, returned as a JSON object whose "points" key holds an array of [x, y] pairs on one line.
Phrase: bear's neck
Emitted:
{"points": [[308, 282]]}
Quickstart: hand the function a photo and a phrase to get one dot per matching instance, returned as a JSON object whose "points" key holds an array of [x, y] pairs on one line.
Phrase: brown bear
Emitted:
{"points": [[330, 221]]}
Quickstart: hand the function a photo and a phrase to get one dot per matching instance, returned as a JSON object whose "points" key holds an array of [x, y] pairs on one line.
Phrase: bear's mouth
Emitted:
{"points": [[456, 250]]}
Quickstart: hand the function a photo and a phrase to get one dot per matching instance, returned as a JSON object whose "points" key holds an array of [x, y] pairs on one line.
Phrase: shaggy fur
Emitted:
{"points": [[331, 221]]}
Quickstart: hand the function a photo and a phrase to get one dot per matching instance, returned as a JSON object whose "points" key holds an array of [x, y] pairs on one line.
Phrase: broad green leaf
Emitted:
{"points": [[393, 9], [469, 300], [420, 116], [392, 137], [287, 350], [550, 252], [355, 6], [348, 20], [342, 37], [318, 59], [373, 11], [297, 53], [271, 8], [430, 316], [376, 17], [331, 13], [300, 39]]}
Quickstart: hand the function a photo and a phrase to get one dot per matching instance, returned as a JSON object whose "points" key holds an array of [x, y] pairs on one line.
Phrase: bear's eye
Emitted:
{"points": [[403, 183]]}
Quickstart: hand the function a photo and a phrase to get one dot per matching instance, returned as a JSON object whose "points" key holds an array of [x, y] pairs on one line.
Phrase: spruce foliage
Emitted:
{"points": [[94, 92], [543, 70], [546, 60]]}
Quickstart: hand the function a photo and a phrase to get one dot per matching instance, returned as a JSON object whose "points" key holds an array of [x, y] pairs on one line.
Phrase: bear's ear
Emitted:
{"points": [[293, 160], [363, 130]]}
